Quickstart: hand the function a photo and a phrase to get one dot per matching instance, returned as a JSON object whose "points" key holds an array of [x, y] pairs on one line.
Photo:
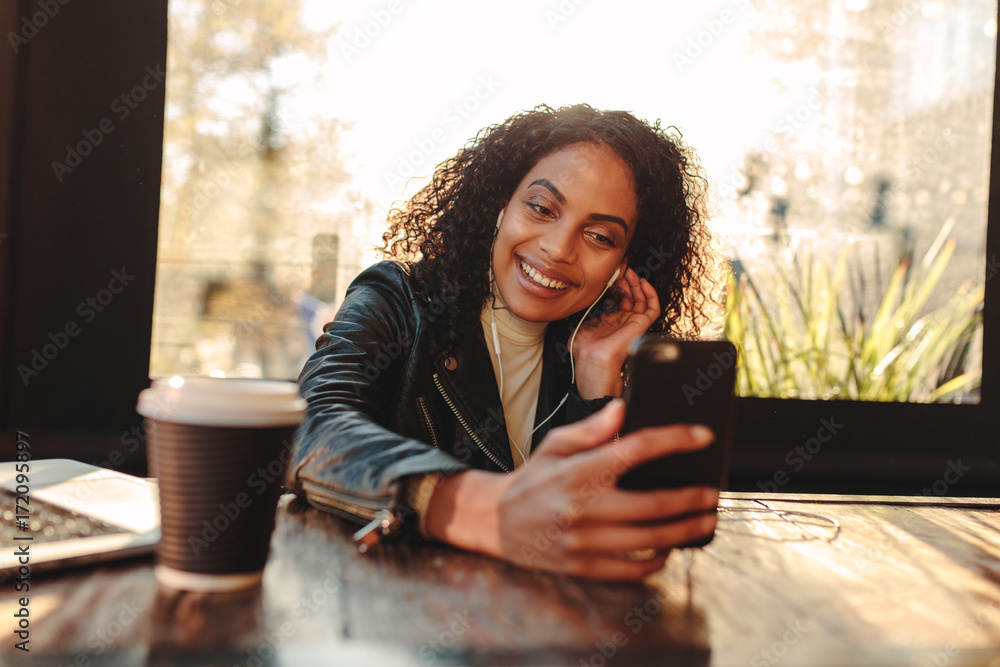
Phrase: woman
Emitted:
{"points": [[456, 394]]}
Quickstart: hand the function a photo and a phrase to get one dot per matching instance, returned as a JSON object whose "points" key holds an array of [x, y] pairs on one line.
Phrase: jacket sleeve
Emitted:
{"points": [[346, 458], [580, 408]]}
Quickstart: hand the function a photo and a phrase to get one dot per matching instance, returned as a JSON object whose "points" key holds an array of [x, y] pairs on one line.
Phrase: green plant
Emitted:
{"points": [[805, 336]]}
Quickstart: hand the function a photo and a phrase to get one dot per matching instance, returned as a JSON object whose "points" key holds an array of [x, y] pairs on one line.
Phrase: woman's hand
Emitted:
{"points": [[599, 350], [563, 511]]}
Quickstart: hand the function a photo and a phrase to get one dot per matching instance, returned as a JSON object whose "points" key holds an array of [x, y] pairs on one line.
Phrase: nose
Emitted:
{"points": [[559, 242]]}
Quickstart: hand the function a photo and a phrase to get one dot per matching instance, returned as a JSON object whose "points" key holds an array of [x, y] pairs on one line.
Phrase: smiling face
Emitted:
{"points": [[564, 232]]}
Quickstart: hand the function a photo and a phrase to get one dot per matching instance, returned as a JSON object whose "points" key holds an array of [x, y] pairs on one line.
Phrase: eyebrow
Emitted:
{"points": [[599, 217]]}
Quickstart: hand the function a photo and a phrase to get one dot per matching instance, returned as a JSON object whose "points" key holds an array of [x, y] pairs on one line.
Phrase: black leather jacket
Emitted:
{"points": [[387, 404]]}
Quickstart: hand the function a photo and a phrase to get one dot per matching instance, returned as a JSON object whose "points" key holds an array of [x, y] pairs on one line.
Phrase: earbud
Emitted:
{"points": [[614, 277], [500, 217], [496, 336]]}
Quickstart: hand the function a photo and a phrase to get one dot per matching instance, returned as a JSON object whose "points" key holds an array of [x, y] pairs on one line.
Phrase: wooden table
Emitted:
{"points": [[810, 580]]}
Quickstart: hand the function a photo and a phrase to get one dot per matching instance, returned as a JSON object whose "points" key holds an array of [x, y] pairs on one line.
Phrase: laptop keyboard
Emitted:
{"points": [[46, 522]]}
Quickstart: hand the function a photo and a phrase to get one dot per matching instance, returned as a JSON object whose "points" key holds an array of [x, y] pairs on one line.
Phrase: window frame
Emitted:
{"points": [[64, 239], [939, 449]]}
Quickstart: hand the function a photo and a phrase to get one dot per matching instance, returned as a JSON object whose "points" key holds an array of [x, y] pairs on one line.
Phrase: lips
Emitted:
{"points": [[537, 277]]}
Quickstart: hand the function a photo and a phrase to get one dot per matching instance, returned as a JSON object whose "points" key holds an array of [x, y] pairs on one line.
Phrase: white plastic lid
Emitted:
{"points": [[208, 401]]}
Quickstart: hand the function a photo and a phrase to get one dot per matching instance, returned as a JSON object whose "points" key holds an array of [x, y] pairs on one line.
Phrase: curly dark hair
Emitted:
{"points": [[445, 231]]}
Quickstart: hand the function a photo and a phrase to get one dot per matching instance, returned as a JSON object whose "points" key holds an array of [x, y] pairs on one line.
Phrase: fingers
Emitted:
{"points": [[645, 445], [652, 300], [617, 550], [597, 429], [660, 505], [601, 539], [639, 296], [626, 302]]}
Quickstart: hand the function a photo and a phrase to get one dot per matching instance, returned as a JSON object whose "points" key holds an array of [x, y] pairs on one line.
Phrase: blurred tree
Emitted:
{"points": [[250, 168]]}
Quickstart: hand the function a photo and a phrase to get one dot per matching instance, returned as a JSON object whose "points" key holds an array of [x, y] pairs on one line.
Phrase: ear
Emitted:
{"points": [[622, 268], [614, 276]]}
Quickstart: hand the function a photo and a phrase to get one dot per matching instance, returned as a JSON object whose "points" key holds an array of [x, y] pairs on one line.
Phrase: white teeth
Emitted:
{"points": [[542, 280]]}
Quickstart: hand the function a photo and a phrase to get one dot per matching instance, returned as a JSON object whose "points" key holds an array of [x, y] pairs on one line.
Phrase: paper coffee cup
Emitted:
{"points": [[219, 449]]}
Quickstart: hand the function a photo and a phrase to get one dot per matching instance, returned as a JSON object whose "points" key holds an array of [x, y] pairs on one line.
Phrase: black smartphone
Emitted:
{"points": [[671, 381]]}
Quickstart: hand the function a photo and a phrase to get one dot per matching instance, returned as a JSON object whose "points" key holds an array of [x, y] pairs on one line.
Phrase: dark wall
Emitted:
{"points": [[81, 176]]}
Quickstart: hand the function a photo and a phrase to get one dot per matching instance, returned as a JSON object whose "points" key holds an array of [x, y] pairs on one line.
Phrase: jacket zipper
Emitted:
{"points": [[349, 508], [427, 418], [381, 522], [384, 524], [465, 425]]}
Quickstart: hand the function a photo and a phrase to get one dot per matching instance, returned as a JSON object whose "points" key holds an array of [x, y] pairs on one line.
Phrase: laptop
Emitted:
{"points": [[63, 513]]}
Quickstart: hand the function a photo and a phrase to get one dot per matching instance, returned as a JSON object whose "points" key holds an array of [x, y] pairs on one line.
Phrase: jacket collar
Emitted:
{"points": [[466, 376]]}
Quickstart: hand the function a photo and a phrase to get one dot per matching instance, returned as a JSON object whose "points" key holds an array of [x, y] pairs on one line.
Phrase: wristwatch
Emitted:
{"points": [[419, 497]]}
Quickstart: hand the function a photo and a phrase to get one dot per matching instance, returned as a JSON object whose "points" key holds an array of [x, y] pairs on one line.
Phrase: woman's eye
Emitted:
{"points": [[602, 239], [541, 209]]}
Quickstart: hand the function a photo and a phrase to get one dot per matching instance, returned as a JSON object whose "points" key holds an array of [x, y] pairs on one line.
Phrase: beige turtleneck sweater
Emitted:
{"points": [[521, 345]]}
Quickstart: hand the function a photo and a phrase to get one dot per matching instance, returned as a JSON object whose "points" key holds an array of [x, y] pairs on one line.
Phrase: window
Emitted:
{"points": [[858, 215], [841, 190], [885, 447]]}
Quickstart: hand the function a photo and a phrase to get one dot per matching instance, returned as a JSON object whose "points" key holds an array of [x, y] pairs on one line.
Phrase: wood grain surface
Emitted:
{"points": [[805, 581]]}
